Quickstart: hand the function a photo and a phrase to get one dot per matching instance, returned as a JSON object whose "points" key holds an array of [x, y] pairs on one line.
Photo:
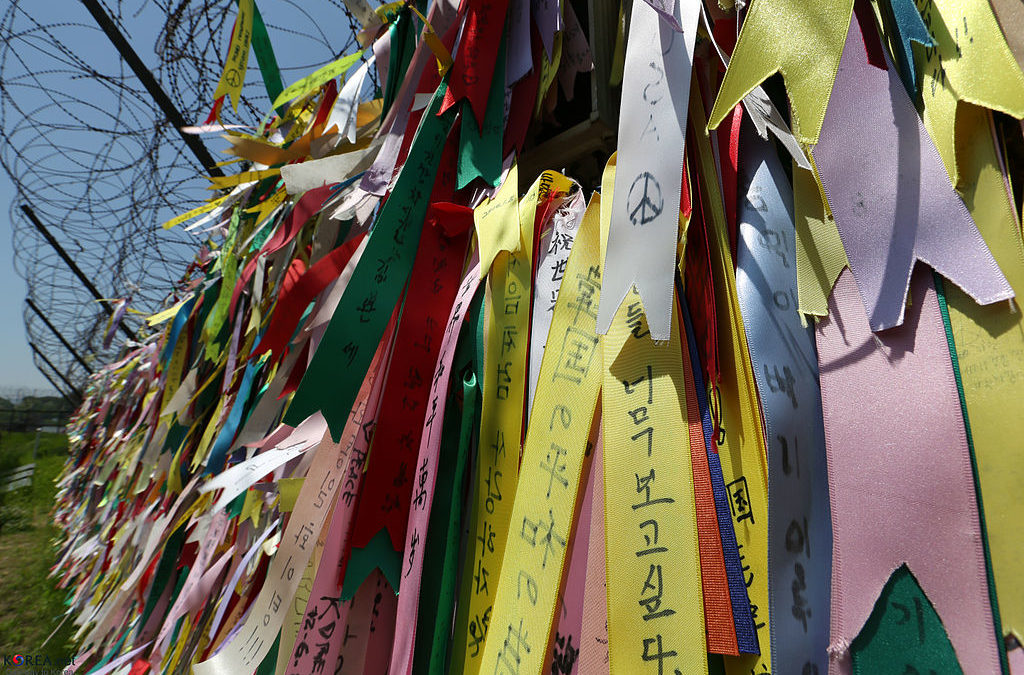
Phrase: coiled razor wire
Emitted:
{"points": [[92, 155]]}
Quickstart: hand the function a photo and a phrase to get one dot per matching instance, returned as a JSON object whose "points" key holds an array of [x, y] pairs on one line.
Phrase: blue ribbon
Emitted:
{"points": [[785, 366], [746, 633]]}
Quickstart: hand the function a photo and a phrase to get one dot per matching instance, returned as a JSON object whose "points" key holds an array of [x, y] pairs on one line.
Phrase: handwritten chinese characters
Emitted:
{"points": [[556, 445]]}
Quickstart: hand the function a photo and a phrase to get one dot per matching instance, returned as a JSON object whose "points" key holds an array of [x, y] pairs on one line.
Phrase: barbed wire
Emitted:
{"points": [[90, 152]]}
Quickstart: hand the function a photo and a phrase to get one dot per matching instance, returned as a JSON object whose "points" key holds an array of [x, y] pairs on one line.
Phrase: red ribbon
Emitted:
{"points": [[391, 478], [700, 291], [295, 297], [433, 283], [728, 154], [473, 68], [719, 622], [311, 202]]}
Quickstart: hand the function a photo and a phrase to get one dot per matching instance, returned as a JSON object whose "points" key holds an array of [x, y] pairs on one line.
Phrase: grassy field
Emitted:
{"points": [[30, 607]]}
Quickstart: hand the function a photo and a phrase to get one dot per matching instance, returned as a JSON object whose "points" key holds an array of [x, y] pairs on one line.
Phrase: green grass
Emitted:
{"points": [[30, 607]]}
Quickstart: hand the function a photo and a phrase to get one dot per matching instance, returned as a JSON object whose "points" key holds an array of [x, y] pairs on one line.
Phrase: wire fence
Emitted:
{"points": [[93, 156]]}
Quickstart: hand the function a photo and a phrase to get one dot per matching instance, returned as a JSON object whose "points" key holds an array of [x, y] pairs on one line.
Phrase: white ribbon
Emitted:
{"points": [[652, 132], [555, 246]]}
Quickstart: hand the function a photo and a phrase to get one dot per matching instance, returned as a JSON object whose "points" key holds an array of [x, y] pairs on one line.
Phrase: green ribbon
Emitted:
{"points": [[164, 569], [997, 623], [265, 57], [403, 44], [480, 149], [332, 380], [377, 554], [179, 583], [227, 263], [269, 662], [116, 650], [441, 557], [904, 634]]}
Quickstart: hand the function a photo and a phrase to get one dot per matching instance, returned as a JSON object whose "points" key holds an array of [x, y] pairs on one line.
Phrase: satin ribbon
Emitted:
{"points": [[265, 56], [480, 145], [437, 594], [325, 478], [645, 219], [290, 306], [425, 479], [554, 248], [564, 650], [719, 617], [324, 612], [211, 541], [236, 576], [378, 177], [254, 639], [547, 16], [799, 40], [989, 340], [477, 53], [889, 215], [784, 361], [237, 60], [287, 229], [593, 653], [907, 407], [354, 645], [382, 628], [630, 417], [545, 500]]}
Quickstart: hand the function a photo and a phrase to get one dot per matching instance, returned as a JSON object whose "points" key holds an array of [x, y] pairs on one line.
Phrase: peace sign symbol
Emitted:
{"points": [[645, 202], [232, 77]]}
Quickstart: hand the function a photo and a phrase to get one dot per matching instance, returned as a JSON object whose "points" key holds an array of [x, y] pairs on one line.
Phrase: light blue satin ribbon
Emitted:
{"points": [[785, 366]]}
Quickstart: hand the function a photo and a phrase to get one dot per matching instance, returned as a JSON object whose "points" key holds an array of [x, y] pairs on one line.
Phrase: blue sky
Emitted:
{"points": [[304, 37], [16, 366]]}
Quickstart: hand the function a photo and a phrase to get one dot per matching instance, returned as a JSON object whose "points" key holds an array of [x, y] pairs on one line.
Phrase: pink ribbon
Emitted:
{"points": [[899, 473], [325, 620], [426, 462], [593, 658]]}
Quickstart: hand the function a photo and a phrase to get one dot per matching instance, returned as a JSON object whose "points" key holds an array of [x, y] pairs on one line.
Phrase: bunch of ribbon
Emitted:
{"points": [[400, 416]]}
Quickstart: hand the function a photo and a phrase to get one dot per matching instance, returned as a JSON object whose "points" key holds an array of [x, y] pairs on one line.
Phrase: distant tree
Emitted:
{"points": [[49, 403]]}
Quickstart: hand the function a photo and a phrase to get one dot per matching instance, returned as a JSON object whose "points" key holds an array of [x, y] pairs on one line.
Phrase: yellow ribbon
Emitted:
{"points": [[237, 62], [548, 71], [183, 633], [165, 314], [188, 215], [641, 405], [655, 601], [509, 289], [989, 339], [497, 222], [224, 182], [444, 58], [553, 457], [175, 369], [316, 78], [820, 256]]}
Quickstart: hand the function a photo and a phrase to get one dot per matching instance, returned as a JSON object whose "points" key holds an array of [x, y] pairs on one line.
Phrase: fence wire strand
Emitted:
{"points": [[90, 152]]}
